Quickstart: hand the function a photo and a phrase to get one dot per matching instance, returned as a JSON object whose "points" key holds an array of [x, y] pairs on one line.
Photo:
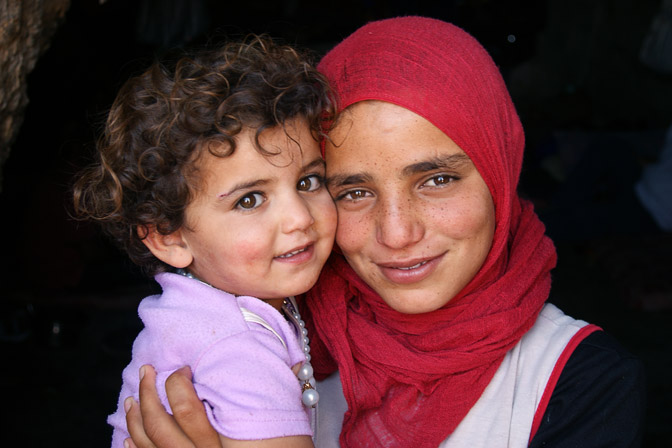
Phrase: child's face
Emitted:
{"points": [[260, 226]]}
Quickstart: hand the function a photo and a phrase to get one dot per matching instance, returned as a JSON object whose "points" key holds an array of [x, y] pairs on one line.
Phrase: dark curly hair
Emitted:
{"points": [[162, 119]]}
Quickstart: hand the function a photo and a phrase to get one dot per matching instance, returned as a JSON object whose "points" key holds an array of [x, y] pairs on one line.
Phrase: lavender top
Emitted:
{"points": [[241, 371]]}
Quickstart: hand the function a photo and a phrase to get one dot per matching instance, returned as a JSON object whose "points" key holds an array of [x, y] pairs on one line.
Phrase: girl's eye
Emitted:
{"points": [[250, 201], [309, 183], [353, 195], [439, 180]]}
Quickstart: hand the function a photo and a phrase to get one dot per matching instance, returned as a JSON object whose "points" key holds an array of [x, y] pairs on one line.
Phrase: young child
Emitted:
{"points": [[210, 177]]}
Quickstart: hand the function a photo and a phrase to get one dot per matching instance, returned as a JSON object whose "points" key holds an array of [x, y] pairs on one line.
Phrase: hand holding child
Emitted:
{"points": [[185, 428]]}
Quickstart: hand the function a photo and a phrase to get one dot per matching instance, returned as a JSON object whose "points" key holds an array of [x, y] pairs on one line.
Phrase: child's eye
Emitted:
{"points": [[439, 180], [310, 183], [250, 201]]}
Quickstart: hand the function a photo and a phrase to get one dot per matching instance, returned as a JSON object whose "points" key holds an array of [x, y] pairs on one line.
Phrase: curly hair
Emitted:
{"points": [[162, 119]]}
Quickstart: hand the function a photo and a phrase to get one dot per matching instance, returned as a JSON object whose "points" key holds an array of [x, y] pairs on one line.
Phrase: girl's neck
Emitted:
{"points": [[275, 303]]}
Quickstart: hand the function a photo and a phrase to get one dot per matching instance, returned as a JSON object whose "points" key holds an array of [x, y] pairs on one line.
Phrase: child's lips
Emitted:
{"points": [[297, 255]]}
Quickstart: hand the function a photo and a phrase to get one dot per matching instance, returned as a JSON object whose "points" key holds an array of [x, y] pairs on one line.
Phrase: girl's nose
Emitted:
{"points": [[398, 224]]}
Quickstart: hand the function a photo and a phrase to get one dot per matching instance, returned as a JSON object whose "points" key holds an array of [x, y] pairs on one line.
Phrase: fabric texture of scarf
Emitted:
{"points": [[410, 379]]}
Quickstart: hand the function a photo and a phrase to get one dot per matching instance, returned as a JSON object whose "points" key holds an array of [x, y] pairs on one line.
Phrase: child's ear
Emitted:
{"points": [[171, 248]]}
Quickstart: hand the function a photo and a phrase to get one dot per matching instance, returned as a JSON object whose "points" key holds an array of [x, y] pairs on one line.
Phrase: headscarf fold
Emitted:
{"points": [[409, 379]]}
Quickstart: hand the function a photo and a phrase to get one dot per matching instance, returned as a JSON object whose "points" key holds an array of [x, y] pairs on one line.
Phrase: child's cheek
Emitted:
{"points": [[250, 250]]}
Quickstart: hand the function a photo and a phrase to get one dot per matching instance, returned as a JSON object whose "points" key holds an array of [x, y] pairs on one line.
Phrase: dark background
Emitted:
{"points": [[594, 115]]}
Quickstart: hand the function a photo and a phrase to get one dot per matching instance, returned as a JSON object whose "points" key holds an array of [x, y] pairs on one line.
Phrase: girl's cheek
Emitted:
{"points": [[249, 251], [465, 218], [343, 230], [351, 232]]}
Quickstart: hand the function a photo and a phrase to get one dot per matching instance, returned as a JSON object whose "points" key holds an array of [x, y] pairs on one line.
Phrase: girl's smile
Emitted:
{"points": [[410, 271]]}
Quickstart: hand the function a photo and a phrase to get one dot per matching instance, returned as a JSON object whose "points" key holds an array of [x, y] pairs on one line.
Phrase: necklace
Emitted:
{"points": [[309, 395]]}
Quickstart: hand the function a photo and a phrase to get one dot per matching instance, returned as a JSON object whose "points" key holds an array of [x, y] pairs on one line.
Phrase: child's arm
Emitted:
{"points": [[151, 426]]}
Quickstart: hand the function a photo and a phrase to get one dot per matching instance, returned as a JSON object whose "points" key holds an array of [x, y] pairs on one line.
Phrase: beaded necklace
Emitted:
{"points": [[309, 395]]}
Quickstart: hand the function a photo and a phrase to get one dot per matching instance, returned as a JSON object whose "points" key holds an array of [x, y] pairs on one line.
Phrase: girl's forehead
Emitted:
{"points": [[376, 129]]}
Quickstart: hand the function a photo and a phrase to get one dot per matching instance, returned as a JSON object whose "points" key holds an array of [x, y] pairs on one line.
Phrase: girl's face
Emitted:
{"points": [[262, 226], [415, 218]]}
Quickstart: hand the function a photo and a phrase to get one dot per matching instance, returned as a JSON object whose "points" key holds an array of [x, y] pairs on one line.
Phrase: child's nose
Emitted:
{"points": [[296, 215]]}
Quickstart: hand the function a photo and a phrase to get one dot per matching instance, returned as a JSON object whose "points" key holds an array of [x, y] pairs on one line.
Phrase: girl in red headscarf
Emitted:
{"points": [[479, 365]]}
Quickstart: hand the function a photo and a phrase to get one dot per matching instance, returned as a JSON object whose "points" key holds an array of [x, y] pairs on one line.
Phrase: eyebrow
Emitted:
{"points": [[452, 161], [317, 162], [244, 186], [342, 180]]}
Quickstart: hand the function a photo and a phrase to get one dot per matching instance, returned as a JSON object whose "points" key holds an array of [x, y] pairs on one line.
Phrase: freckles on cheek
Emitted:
{"points": [[465, 217], [342, 237], [347, 233], [466, 226]]}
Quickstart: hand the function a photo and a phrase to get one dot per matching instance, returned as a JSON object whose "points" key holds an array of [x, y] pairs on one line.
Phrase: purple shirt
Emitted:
{"points": [[241, 371]]}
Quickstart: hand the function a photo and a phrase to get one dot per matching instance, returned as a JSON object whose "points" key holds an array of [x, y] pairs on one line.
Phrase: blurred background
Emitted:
{"points": [[592, 81]]}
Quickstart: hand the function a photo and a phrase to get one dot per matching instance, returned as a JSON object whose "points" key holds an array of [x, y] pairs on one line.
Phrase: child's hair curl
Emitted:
{"points": [[162, 119]]}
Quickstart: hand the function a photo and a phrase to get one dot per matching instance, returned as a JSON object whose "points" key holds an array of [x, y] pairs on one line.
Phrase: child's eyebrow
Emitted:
{"points": [[244, 186], [318, 162]]}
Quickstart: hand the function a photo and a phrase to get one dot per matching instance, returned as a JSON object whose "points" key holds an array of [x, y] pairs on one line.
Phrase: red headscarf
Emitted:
{"points": [[410, 379]]}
